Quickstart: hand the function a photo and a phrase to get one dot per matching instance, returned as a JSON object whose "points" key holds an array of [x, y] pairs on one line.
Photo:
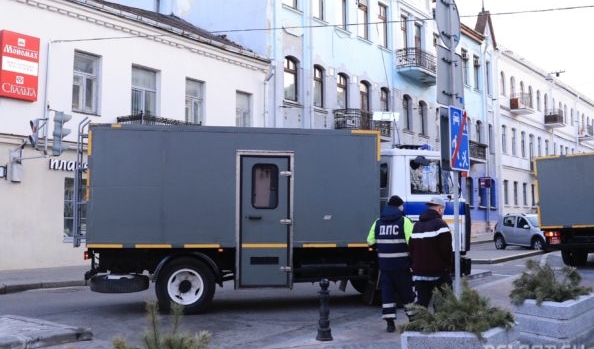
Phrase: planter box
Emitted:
{"points": [[497, 338], [556, 323]]}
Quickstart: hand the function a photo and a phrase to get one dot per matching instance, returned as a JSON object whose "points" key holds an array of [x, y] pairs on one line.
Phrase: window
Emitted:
{"points": [[469, 191], [477, 72], [290, 3], [530, 97], [538, 100], [385, 99], [382, 25], [489, 79], [342, 101], [479, 131], [429, 178], [194, 101], [533, 196], [407, 111], [290, 79], [513, 142], [341, 14], [506, 192], [503, 139], [523, 143], [491, 140], [85, 81], [525, 194], [465, 71], [418, 37], [364, 95], [403, 28], [362, 20], [317, 9], [265, 186], [69, 210], [243, 110], [546, 147], [144, 91], [531, 147], [502, 81], [539, 146], [318, 98], [516, 193], [423, 117]]}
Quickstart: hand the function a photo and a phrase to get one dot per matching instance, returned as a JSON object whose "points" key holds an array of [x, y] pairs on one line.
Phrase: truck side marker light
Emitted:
{"points": [[86, 255]]}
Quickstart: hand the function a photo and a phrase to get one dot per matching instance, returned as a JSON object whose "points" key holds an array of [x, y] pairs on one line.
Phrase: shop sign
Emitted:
{"points": [[19, 65]]}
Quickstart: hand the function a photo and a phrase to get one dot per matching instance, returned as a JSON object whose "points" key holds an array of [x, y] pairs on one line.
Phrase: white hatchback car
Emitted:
{"points": [[519, 229]]}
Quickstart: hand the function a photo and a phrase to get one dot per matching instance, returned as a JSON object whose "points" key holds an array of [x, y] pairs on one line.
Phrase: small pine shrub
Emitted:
{"points": [[542, 283], [469, 313], [153, 338]]}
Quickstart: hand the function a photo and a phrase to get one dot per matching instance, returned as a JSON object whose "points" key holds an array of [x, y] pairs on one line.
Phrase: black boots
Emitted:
{"points": [[391, 326]]}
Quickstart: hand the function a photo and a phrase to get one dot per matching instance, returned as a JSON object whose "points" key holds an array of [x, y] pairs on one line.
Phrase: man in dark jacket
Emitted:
{"points": [[390, 235], [430, 248]]}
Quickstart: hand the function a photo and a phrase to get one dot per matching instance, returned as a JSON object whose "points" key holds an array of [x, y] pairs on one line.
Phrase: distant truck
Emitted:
{"points": [[566, 214], [194, 206]]}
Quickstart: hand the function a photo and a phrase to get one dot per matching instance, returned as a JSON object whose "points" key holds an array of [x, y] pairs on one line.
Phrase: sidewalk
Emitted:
{"points": [[362, 331]]}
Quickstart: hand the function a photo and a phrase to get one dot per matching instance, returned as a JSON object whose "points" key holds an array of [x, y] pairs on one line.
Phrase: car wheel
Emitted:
{"points": [[188, 282], [538, 244], [500, 242]]}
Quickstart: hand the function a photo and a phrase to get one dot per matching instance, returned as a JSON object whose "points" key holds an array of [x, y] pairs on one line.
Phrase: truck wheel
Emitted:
{"points": [[188, 282], [538, 244], [500, 242], [574, 258]]}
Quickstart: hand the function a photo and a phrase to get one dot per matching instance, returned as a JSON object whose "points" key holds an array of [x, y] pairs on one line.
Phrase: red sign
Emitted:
{"points": [[19, 65]]}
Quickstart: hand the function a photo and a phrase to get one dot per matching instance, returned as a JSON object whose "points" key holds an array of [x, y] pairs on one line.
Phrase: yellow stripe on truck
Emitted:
{"points": [[152, 245], [105, 246], [264, 245], [202, 246], [319, 245]]}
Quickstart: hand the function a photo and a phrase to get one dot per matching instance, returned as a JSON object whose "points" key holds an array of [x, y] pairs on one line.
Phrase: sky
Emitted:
{"points": [[556, 40]]}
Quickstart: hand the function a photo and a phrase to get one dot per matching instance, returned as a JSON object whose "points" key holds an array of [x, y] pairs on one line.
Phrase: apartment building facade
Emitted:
{"points": [[104, 62]]}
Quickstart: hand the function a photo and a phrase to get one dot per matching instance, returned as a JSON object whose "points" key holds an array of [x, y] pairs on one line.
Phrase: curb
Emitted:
{"points": [[5, 289], [506, 259], [35, 333]]}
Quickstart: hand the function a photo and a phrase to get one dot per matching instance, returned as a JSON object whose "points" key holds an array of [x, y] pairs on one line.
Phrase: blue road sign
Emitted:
{"points": [[459, 152]]}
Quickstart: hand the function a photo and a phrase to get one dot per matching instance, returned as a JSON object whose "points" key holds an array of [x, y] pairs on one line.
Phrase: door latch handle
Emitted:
{"points": [[286, 221], [254, 218]]}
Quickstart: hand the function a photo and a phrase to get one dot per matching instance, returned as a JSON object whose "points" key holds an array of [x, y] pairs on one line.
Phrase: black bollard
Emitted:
{"points": [[324, 331]]}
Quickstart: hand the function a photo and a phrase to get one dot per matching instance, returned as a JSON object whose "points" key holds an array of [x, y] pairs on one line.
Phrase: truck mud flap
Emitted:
{"points": [[119, 283]]}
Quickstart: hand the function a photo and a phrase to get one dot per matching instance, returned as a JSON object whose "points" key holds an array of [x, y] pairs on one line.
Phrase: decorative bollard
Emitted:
{"points": [[324, 331]]}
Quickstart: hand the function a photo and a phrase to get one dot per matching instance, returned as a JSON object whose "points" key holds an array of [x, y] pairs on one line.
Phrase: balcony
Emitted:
{"points": [[554, 118], [358, 119], [586, 133], [478, 151], [519, 104], [417, 65]]}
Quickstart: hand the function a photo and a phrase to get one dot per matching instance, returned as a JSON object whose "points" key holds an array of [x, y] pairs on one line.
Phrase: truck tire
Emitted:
{"points": [[113, 283], [499, 242], [188, 282], [574, 258]]}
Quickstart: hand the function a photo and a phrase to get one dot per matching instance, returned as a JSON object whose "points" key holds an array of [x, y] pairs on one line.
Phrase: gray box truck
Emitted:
{"points": [[190, 206], [194, 206], [566, 215]]}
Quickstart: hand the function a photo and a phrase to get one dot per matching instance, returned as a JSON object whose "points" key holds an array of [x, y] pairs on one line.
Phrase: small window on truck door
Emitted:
{"points": [[265, 186]]}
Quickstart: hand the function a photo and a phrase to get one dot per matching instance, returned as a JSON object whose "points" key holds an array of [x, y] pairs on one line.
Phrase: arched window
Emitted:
{"points": [[318, 77], [530, 97], [407, 112], [385, 99], [503, 139], [364, 95], [423, 117], [479, 132], [502, 81], [342, 101], [512, 86], [538, 100], [290, 79]]}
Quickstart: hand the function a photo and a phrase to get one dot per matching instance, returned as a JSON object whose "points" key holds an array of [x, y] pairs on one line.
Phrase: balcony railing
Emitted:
{"points": [[417, 64], [360, 120], [478, 151], [149, 120], [554, 118], [519, 103]]}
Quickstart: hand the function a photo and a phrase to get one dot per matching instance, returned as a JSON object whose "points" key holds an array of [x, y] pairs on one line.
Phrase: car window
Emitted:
{"points": [[522, 222], [509, 221]]}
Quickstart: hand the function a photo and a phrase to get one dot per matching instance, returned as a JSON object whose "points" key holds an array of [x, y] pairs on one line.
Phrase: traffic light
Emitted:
{"points": [[34, 137], [60, 132]]}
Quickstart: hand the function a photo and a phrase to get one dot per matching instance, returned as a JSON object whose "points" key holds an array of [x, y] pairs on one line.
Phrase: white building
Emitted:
{"points": [[540, 116], [101, 61]]}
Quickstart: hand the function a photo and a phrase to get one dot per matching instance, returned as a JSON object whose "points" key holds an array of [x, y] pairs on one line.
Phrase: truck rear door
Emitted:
{"points": [[265, 225]]}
